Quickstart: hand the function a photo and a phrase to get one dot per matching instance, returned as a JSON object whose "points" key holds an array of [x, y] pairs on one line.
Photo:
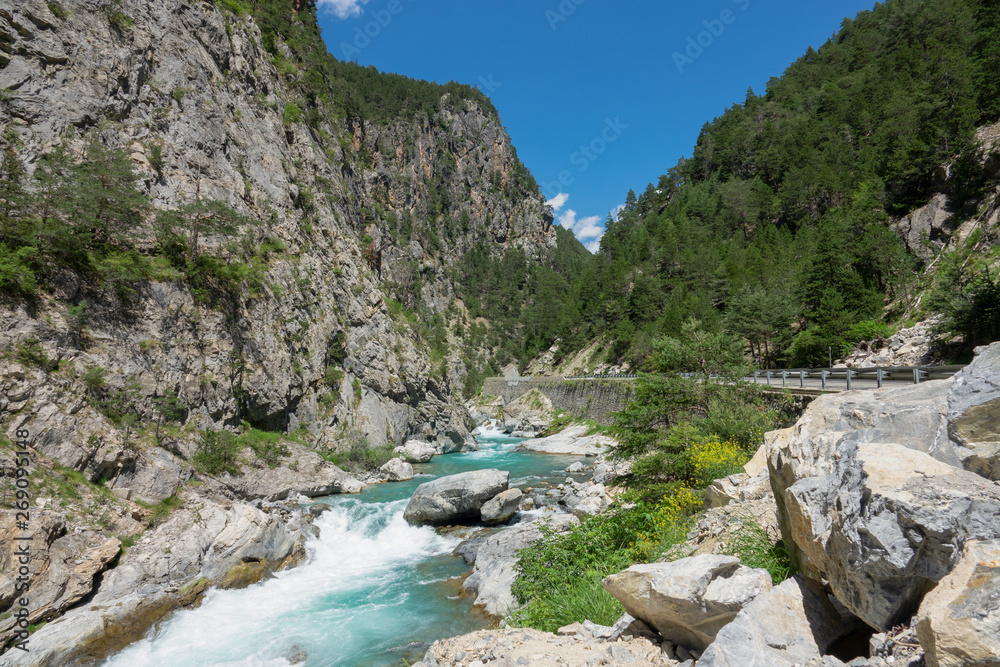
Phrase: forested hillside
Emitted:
{"points": [[778, 227]]}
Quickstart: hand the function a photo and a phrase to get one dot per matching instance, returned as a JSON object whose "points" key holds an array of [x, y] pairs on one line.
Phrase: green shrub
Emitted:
{"points": [[30, 353], [128, 541], [581, 599], [159, 512], [95, 379], [266, 445], [867, 330], [217, 453], [712, 458], [558, 579], [235, 6], [156, 158], [357, 455], [753, 546], [333, 378], [118, 19], [58, 10], [292, 114], [16, 275]]}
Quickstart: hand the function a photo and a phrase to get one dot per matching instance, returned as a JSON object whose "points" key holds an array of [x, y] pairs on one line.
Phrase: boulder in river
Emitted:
{"points": [[496, 563], [416, 451], [455, 498], [573, 441], [396, 470], [501, 507]]}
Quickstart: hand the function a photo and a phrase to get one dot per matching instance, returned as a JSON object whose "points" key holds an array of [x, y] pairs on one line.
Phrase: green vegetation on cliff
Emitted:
{"points": [[85, 214]]}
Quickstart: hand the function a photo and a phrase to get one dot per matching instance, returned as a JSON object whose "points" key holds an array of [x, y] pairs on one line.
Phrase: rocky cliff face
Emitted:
{"points": [[354, 210], [197, 84]]}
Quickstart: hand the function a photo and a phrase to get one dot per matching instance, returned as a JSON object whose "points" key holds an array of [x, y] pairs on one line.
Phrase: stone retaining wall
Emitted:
{"points": [[594, 399]]}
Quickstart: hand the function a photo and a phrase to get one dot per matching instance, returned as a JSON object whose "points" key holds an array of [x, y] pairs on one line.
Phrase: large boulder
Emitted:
{"points": [[572, 441], [959, 621], [396, 470], [496, 563], [501, 508], [689, 600], [974, 414], [793, 624], [454, 498], [416, 451], [912, 415], [513, 647], [739, 488], [881, 522]]}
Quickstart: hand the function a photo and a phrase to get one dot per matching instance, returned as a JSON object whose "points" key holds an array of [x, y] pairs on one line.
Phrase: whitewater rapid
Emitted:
{"points": [[371, 590], [354, 584]]}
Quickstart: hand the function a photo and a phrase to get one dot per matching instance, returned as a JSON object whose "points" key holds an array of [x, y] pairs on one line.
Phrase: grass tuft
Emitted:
{"points": [[753, 546]]}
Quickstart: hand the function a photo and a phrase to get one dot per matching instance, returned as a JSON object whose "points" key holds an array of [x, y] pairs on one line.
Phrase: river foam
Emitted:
{"points": [[356, 579]]}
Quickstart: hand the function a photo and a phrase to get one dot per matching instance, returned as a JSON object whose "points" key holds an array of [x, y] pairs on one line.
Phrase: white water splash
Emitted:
{"points": [[351, 577]]}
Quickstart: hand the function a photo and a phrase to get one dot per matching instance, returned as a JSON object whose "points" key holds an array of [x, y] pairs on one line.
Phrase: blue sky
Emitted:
{"points": [[598, 97]]}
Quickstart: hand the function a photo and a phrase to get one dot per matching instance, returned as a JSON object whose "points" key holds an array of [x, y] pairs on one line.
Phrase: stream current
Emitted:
{"points": [[373, 592]]}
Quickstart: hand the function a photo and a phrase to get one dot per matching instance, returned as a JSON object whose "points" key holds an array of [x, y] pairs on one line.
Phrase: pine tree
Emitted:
{"points": [[107, 202]]}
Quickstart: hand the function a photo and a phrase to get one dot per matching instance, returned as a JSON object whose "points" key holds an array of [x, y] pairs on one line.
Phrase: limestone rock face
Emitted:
{"points": [[974, 413], [496, 560], [959, 621], [501, 508], [416, 451], [455, 497], [792, 624], [201, 541], [932, 222], [302, 472], [152, 477], [689, 600], [63, 566], [883, 525], [397, 470], [214, 113]]}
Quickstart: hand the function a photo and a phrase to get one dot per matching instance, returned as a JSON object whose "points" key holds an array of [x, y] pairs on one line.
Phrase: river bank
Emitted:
{"points": [[390, 589]]}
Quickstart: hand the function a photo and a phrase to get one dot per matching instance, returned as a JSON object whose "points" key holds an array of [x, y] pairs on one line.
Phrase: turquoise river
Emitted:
{"points": [[371, 586]]}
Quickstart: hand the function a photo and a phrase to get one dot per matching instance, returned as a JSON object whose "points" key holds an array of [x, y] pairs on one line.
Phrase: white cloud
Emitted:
{"points": [[343, 8], [589, 230], [558, 201]]}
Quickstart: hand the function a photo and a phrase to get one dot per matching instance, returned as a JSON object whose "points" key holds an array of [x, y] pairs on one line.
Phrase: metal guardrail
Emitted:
{"points": [[881, 375], [826, 376]]}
